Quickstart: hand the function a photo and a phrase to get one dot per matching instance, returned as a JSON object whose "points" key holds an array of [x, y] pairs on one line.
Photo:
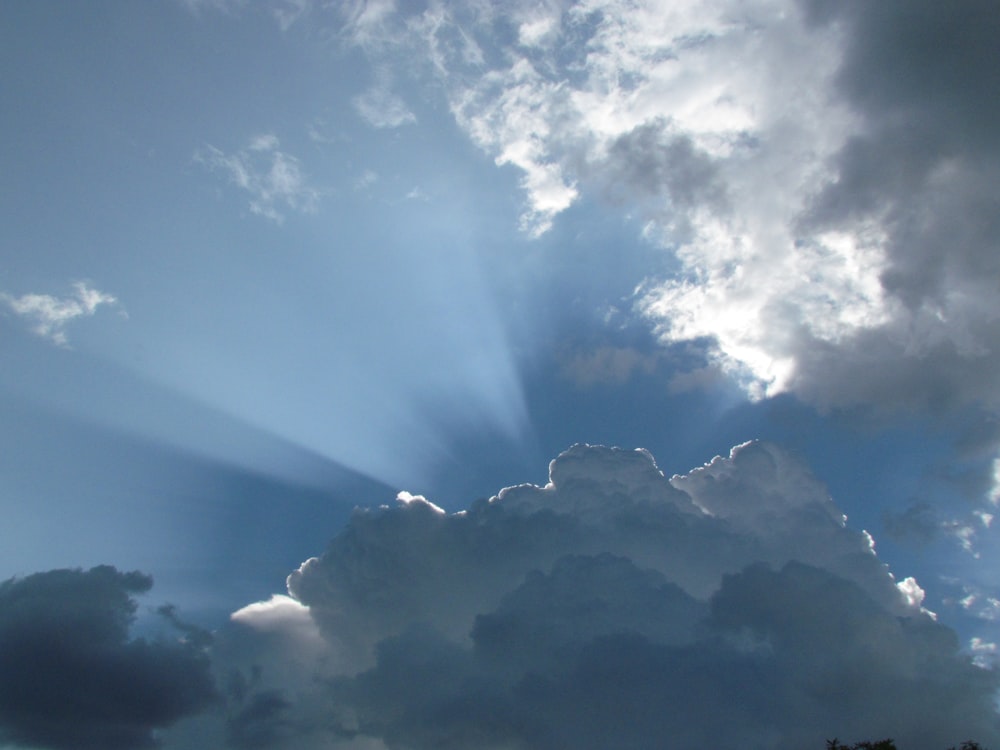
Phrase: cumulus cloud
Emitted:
{"points": [[613, 607], [70, 677], [49, 316], [272, 178]]}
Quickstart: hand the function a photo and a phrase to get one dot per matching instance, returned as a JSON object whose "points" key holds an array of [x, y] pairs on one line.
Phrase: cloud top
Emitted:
{"points": [[614, 606]]}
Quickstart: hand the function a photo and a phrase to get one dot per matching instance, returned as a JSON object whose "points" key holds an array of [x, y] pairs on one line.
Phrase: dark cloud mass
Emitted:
{"points": [[70, 677], [922, 166], [614, 607]]}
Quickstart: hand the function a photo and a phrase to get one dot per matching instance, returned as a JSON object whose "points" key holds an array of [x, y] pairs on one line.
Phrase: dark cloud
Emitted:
{"points": [[70, 677], [785, 659], [918, 522], [613, 607], [922, 166], [654, 162], [260, 721]]}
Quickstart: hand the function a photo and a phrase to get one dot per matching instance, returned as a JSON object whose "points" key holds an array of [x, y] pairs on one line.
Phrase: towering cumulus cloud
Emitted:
{"points": [[730, 607]]}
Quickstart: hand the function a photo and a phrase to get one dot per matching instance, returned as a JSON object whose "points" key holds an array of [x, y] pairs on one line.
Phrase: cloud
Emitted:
{"points": [[271, 177], [381, 108], [49, 316], [217, 6], [288, 13], [730, 606], [823, 173], [606, 364], [70, 677]]}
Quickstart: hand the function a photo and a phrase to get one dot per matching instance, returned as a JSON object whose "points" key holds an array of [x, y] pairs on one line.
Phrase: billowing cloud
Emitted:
{"points": [[613, 607], [823, 172], [49, 316], [272, 178], [70, 677]]}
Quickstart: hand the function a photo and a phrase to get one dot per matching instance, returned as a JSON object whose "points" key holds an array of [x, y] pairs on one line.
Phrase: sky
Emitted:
{"points": [[389, 374]]}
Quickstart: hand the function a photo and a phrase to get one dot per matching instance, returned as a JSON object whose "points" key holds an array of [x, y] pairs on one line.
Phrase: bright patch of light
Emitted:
{"points": [[406, 498], [913, 595]]}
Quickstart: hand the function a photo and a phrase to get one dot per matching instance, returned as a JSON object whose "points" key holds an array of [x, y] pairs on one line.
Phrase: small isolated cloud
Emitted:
{"points": [[613, 607], [288, 12], [979, 602], [381, 108], [49, 316], [368, 178], [216, 6], [272, 178], [985, 654], [70, 677]]}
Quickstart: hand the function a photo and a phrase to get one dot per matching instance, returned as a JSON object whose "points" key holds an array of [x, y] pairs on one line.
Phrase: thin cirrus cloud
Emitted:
{"points": [[611, 607], [273, 179], [49, 316], [381, 108]]}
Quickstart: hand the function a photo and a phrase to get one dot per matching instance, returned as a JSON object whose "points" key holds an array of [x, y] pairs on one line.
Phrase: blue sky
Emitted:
{"points": [[264, 263]]}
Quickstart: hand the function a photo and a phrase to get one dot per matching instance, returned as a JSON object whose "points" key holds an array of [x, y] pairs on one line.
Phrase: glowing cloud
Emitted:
{"points": [[611, 607]]}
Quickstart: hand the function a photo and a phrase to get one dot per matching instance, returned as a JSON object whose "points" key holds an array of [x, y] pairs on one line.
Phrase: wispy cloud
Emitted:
{"points": [[382, 108], [49, 316], [289, 12], [217, 6], [272, 178]]}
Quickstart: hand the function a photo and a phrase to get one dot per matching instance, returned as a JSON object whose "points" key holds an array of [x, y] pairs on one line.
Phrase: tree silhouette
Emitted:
{"points": [[888, 744]]}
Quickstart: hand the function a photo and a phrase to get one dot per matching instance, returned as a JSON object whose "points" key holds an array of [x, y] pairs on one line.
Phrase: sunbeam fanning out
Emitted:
{"points": [[373, 356], [286, 271]]}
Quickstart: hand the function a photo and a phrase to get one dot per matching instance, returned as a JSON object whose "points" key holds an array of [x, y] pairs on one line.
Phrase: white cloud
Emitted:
{"points": [[288, 12], [217, 6], [911, 591], [365, 21], [381, 108], [273, 178], [368, 178], [825, 176], [49, 316], [611, 607], [279, 613], [984, 653], [405, 498]]}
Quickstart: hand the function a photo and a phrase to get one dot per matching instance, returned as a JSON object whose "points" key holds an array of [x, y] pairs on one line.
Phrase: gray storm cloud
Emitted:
{"points": [[613, 607], [71, 678]]}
